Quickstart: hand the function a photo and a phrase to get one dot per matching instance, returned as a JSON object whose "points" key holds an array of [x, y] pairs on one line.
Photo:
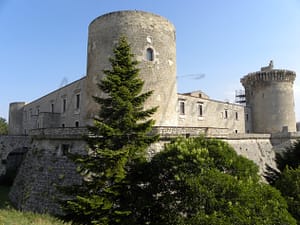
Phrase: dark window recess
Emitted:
{"points": [[77, 101], [182, 108], [65, 148], [150, 54]]}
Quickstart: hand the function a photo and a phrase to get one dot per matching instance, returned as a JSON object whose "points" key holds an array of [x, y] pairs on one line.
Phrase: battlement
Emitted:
{"points": [[278, 75]]}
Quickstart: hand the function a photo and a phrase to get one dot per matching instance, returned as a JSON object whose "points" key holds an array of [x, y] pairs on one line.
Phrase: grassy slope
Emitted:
{"points": [[10, 216]]}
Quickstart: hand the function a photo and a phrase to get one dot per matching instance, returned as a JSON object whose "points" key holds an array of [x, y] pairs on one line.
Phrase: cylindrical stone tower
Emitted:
{"points": [[270, 96], [153, 42], [15, 123]]}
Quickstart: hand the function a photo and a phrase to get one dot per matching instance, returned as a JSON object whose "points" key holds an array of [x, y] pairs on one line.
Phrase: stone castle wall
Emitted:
{"points": [[12, 150], [46, 166]]}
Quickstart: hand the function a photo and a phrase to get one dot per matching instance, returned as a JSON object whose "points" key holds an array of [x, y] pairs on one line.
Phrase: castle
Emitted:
{"points": [[48, 127]]}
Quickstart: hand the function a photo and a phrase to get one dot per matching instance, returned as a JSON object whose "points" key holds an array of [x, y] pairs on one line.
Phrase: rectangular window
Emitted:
{"points": [[181, 108], [65, 149], [236, 116], [200, 109], [77, 101], [52, 108], [64, 106], [226, 114]]}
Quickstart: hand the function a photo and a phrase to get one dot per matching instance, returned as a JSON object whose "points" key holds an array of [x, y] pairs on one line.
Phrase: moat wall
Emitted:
{"points": [[12, 151], [46, 165]]}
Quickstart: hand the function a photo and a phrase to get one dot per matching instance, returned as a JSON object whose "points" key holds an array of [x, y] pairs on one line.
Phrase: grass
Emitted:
{"points": [[10, 216]]}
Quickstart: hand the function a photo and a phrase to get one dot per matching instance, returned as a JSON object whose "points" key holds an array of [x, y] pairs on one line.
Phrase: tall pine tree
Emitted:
{"points": [[117, 141]]}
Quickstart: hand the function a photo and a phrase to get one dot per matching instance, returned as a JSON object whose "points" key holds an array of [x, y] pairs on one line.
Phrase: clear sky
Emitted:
{"points": [[44, 43]]}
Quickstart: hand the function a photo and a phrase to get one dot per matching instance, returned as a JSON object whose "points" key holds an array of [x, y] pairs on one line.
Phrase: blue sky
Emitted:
{"points": [[44, 43]]}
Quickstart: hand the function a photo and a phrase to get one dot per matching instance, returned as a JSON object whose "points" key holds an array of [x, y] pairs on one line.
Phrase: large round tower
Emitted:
{"points": [[152, 40], [270, 96]]}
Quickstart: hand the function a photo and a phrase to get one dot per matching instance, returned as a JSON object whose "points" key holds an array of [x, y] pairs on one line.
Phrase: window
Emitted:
{"points": [[52, 108], [76, 124], [200, 109], [226, 114], [77, 101], [247, 117], [64, 106], [236, 116], [65, 149], [150, 54], [63, 125], [181, 108]]}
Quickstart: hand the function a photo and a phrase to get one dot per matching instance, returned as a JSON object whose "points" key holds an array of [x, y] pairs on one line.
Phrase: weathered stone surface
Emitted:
{"points": [[11, 149]]}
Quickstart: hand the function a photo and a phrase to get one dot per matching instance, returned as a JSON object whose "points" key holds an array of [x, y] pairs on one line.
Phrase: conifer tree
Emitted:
{"points": [[117, 141]]}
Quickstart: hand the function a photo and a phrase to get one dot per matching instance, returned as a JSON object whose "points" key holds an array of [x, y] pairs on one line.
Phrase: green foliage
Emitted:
{"points": [[289, 185], [118, 140], [287, 180], [290, 157], [3, 126], [203, 181]]}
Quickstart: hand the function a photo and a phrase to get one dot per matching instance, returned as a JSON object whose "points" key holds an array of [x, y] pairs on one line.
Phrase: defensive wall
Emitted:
{"points": [[46, 166], [12, 151]]}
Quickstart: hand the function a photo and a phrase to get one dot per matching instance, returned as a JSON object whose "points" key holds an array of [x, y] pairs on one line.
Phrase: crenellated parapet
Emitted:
{"points": [[263, 77]]}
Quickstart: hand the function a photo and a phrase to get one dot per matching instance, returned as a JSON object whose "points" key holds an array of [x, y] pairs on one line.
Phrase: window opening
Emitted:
{"points": [[200, 110], [150, 54], [77, 101], [182, 108], [64, 105], [65, 149], [226, 113]]}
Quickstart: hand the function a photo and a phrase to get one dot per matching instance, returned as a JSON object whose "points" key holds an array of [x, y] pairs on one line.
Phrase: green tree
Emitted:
{"points": [[290, 157], [3, 126], [289, 186], [118, 141], [203, 181]]}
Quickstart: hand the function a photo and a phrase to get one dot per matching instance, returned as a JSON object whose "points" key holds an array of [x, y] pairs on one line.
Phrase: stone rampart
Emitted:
{"points": [[46, 165], [11, 149]]}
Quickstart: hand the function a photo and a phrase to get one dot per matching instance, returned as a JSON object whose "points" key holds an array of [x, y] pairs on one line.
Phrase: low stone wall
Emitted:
{"points": [[46, 166], [13, 146], [167, 132]]}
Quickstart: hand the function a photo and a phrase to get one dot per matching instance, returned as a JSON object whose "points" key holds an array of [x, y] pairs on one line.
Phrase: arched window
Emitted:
{"points": [[150, 54]]}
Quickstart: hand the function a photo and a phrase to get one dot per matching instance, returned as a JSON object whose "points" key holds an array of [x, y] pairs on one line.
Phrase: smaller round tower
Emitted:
{"points": [[15, 123], [270, 97]]}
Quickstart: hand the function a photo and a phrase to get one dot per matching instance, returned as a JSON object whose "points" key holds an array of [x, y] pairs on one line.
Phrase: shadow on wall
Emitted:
{"points": [[12, 164]]}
